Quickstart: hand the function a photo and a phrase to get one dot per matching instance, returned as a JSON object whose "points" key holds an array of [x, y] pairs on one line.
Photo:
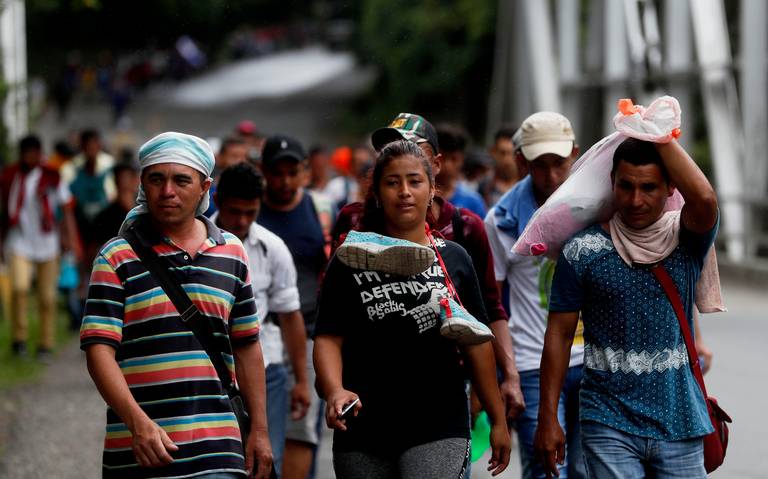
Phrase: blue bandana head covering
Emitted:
{"points": [[172, 147]]}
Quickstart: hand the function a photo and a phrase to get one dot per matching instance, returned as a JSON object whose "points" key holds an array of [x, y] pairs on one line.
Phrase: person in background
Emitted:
{"points": [[319, 168], [345, 189], [477, 165], [232, 151], [247, 131], [505, 173], [36, 224], [302, 219], [453, 142], [273, 279], [546, 152], [63, 154], [93, 188], [91, 151], [108, 221]]}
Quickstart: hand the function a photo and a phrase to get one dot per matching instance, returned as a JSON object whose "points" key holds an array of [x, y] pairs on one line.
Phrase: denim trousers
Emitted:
{"points": [[610, 453], [567, 415], [277, 410]]}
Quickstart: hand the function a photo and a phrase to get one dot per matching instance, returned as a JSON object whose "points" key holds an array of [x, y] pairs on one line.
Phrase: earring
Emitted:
{"points": [[429, 205], [378, 205]]}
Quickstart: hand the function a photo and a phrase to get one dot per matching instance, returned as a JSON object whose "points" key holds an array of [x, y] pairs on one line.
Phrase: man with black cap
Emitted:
{"points": [[302, 219], [463, 227]]}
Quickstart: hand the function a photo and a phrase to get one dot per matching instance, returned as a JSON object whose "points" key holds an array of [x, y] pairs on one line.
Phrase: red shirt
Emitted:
{"points": [[475, 241]]}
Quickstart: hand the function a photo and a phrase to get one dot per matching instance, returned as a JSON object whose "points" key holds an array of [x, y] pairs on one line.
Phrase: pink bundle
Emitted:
{"points": [[586, 196]]}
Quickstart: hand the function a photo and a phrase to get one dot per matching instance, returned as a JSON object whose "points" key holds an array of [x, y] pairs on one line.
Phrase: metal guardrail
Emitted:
{"points": [[755, 234]]}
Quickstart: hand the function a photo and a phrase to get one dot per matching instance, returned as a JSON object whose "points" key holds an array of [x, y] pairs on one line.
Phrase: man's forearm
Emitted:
{"points": [[504, 350], [111, 384], [295, 339], [249, 368], [700, 210], [558, 339]]}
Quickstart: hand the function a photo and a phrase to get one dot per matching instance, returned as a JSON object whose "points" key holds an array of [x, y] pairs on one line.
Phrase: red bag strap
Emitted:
{"points": [[448, 283], [677, 304]]}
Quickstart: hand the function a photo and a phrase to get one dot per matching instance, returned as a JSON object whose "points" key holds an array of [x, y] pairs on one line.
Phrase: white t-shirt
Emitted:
{"points": [[27, 238], [273, 279], [341, 188], [530, 282]]}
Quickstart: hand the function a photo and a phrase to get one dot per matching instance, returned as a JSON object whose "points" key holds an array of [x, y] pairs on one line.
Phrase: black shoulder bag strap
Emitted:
{"points": [[199, 324], [191, 316]]}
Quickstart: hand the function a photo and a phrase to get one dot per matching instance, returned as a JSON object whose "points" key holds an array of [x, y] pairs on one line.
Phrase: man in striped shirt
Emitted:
{"points": [[169, 415]]}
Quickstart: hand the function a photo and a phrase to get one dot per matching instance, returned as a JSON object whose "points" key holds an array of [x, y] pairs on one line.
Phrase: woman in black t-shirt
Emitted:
{"points": [[377, 341]]}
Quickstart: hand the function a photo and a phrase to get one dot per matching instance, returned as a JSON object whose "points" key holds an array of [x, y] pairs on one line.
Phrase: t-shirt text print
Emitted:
{"points": [[392, 346], [384, 295]]}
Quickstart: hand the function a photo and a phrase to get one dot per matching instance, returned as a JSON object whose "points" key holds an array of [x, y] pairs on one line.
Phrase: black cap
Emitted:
{"points": [[406, 126], [281, 147]]}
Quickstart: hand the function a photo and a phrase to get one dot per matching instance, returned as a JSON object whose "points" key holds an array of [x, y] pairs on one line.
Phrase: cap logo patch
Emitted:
{"points": [[398, 122], [283, 144]]}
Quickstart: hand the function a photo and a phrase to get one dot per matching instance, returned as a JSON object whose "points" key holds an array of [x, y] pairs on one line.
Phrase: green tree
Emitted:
{"points": [[434, 56]]}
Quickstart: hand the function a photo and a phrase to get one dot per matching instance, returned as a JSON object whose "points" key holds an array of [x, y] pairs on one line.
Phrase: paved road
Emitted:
{"points": [[738, 378], [57, 425]]}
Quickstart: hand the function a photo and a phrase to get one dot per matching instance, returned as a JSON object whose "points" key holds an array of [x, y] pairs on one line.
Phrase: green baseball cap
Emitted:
{"points": [[406, 126]]}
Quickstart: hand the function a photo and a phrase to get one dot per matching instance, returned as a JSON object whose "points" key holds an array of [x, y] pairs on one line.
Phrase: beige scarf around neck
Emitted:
{"points": [[657, 241]]}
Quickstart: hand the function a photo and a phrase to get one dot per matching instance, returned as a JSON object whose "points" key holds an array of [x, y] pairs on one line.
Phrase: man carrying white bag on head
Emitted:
{"points": [[632, 272]]}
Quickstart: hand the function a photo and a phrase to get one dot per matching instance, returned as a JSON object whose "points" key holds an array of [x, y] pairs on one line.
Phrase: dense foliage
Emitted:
{"points": [[434, 56]]}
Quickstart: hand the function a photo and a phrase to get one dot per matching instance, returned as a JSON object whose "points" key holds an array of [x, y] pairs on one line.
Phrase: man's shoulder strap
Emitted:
{"points": [[189, 314]]}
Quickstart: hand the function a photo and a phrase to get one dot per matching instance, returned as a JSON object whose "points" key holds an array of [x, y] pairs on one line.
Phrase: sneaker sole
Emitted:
{"points": [[398, 260], [465, 332]]}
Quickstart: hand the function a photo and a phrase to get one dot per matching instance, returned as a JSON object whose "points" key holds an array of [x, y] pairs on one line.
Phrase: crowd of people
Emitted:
{"points": [[369, 289]]}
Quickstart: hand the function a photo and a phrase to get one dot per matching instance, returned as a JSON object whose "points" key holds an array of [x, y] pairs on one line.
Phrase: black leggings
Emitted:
{"points": [[443, 459]]}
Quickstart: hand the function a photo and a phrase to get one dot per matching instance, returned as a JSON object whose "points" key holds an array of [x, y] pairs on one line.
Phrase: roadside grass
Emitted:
{"points": [[14, 370]]}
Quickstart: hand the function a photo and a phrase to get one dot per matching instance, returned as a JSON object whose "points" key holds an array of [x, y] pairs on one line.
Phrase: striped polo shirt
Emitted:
{"points": [[167, 370]]}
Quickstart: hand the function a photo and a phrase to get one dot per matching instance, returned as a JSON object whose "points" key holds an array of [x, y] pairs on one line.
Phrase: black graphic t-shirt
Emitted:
{"points": [[409, 378]]}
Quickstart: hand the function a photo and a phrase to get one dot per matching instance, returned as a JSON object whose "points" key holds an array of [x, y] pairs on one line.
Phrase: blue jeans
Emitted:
{"points": [[277, 410], [610, 453], [567, 415]]}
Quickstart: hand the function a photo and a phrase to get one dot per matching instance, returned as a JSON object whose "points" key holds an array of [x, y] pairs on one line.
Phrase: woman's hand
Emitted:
{"points": [[500, 448], [336, 402]]}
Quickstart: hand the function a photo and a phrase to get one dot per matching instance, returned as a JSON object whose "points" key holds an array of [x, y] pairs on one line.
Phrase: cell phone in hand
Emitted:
{"points": [[347, 409]]}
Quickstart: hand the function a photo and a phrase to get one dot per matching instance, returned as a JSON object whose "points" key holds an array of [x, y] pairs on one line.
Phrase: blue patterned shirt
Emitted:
{"points": [[637, 376]]}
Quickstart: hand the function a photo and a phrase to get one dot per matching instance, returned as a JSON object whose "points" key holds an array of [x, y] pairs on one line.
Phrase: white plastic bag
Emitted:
{"points": [[586, 196]]}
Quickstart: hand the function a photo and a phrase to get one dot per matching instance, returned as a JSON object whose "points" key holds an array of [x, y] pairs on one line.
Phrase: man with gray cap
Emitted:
{"points": [[170, 412], [546, 149]]}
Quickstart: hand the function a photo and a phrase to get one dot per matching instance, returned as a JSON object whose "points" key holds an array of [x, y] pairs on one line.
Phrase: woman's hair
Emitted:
{"points": [[373, 213]]}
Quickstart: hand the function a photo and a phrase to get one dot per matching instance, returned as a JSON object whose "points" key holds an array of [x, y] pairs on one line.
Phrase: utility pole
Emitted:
{"points": [[13, 52]]}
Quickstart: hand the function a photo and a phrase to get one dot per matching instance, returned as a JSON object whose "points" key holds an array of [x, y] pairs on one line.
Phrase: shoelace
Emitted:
{"points": [[448, 282]]}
